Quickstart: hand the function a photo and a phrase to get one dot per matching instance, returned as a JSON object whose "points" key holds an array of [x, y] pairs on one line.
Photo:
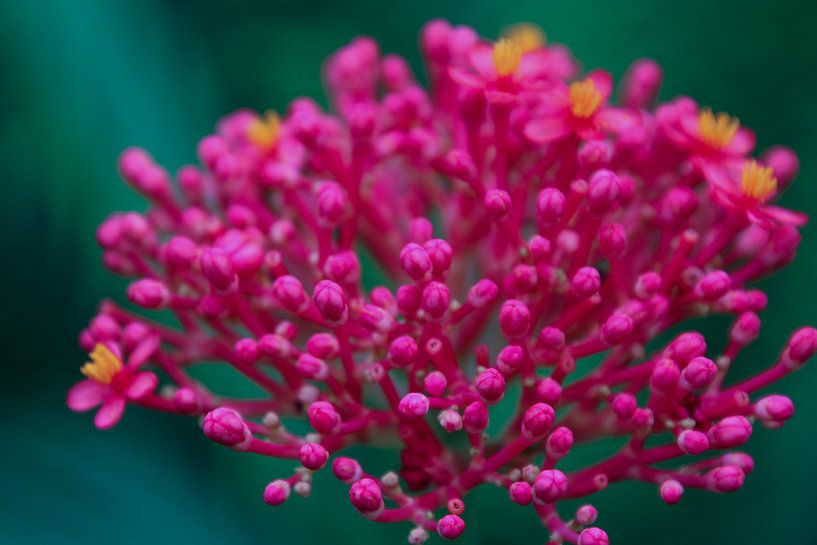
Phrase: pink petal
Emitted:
{"points": [[482, 59], [85, 395], [742, 143], [465, 78], [500, 97], [786, 216], [141, 385], [143, 351], [603, 82], [617, 120], [546, 129], [111, 411]]}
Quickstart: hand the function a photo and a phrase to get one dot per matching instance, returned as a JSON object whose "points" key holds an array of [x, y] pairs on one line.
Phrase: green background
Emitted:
{"points": [[80, 80]]}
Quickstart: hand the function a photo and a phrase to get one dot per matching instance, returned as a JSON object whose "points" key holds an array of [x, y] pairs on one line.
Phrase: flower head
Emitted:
{"points": [[569, 235]]}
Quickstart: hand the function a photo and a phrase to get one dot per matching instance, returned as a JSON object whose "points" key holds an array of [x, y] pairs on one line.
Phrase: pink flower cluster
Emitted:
{"points": [[534, 238]]}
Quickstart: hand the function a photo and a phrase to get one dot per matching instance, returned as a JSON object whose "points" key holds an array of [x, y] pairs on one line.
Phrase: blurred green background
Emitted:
{"points": [[80, 80]]}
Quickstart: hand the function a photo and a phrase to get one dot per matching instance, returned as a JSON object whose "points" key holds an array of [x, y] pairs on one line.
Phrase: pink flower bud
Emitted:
{"points": [[698, 373], [560, 442], [641, 83], [774, 410], [440, 253], [624, 405], [375, 318], [490, 385], [647, 284], [436, 299], [593, 536], [537, 421], [403, 351], [366, 497], [482, 293], [290, 293], [346, 469], [330, 300], [548, 391], [435, 383], [331, 203], [550, 485], [613, 240], [497, 203], [739, 459], [549, 206], [510, 359], [217, 268], [276, 492], [586, 515], [643, 418], [730, 432], [693, 442], [308, 366], [408, 298], [313, 456], [713, 286], [725, 479], [671, 491], [323, 345], [450, 527], [450, 420], [586, 282], [604, 191], [323, 417], [514, 318], [226, 426], [686, 346], [665, 375], [180, 253], [801, 347], [185, 400], [149, 293], [475, 417], [246, 350], [617, 328], [745, 329], [415, 261], [521, 493], [413, 405]]}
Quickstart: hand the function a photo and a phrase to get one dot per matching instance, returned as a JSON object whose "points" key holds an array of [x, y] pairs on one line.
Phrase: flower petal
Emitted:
{"points": [[482, 59], [111, 411], [143, 351], [742, 143], [85, 395], [464, 78], [546, 129], [141, 385], [603, 82], [786, 216]]}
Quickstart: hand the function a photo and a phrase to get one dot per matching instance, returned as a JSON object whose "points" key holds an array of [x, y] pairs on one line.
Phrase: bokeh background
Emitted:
{"points": [[80, 80]]}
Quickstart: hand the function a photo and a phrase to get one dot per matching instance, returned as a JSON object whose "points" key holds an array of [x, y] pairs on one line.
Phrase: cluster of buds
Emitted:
{"points": [[533, 239]]}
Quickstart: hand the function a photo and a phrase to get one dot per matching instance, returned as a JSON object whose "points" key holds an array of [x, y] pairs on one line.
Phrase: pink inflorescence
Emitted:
{"points": [[534, 240]]}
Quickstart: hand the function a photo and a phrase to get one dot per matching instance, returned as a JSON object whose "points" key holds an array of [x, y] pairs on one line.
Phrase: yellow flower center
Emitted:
{"points": [[585, 99], [104, 365], [757, 181], [527, 37], [507, 56], [264, 131], [717, 130]]}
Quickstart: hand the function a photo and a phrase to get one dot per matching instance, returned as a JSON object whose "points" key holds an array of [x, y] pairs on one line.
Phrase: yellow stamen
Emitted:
{"points": [[717, 130], [757, 181], [264, 131], [527, 37], [104, 365], [585, 98], [507, 56]]}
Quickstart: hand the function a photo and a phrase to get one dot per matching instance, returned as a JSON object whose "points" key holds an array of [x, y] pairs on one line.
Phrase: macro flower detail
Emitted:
{"points": [[479, 277]]}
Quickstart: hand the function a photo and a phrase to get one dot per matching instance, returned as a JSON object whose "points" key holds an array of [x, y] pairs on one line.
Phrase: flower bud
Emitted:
{"points": [[435, 383], [559, 443], [149, 293], [604, 191], [330, 300], [366, 497], [490, 385], [313, 456], [290, 293], [641, 83], [537, 421], [497, 203], [323, 417], [586, 282], [403, 351], [693, 442], [475, 417], [276, 492], [308, 366], [624, 405], [413, 405], [450, 527], [801, 347], [483, 293], [698, 373], [730, 432], [713, 286], [346, 469], [520, 493], [440, 253], [549, 206], [510, 359], [436, 299], [550, 485], [548, 391], [745, 329], [725, 479], [415, 261], [226, 426], [774, 410], [514, 318], [450, 420], [586, 515], [671, 491], [593, 536]]}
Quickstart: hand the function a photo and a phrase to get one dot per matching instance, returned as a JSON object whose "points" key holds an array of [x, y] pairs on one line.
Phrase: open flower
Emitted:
{"points": [[746, 189], [109, 384], [579, 109], [518, 62]]}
